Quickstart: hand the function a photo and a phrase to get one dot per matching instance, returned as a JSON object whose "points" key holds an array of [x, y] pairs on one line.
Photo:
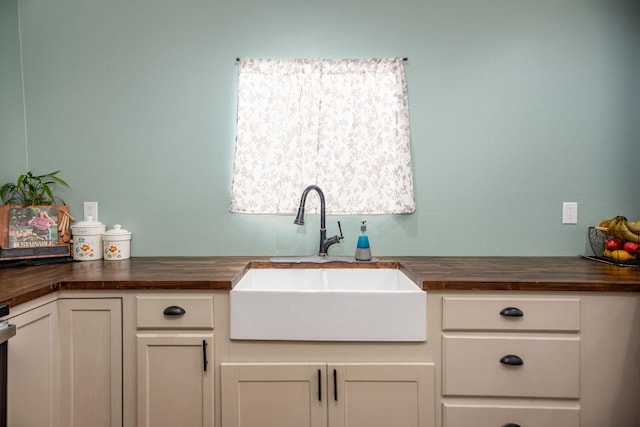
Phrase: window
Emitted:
{"points": [[340, 124]]}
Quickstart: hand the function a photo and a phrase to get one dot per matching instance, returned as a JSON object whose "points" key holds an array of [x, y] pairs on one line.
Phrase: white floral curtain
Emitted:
{"points": [[340, 124]]}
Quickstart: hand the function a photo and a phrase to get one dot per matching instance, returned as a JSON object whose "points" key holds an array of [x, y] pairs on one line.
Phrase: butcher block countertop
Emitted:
{"points": [[22, 284]]}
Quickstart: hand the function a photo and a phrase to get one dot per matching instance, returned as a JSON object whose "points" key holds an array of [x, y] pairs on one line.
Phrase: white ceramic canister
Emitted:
{"points": [[87, 239], [116, 243]]}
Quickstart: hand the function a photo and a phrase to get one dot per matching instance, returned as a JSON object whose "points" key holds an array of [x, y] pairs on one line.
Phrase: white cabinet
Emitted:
{"points": [[334, 394], [65, 364], [518, 413], [274, 395], [379, 395], [511, 366], [579, 354], [32, 373], [511, 313], [513, 347], [175, 366], [91, 362]]}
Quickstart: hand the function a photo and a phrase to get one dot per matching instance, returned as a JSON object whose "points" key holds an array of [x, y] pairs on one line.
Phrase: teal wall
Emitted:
{"points": [[13, 159], [516, 106]]}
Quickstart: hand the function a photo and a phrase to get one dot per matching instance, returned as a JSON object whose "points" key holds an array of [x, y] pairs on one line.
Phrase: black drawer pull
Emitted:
{"points": [[174, 310], [319, 385], [511, 312], [511, 360], [511, 425], [205, 362]]}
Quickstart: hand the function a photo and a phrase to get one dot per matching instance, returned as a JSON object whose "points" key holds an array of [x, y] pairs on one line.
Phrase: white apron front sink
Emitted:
{"points": [[315, 304]]}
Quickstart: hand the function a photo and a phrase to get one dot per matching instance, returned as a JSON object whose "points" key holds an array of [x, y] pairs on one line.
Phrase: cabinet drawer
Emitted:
{"points": [[520, 415], [475, 366], [175, 312], [505, 314]]}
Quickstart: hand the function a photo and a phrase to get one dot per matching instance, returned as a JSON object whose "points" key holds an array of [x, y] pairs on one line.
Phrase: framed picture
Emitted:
{"points": [[32, 232], [33, 227]]}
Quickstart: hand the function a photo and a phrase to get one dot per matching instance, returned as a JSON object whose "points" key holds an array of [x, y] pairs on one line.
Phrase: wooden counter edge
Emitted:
{"points": [[67, 281]]}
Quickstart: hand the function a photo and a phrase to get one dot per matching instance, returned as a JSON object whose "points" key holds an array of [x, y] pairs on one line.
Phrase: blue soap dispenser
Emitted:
{"points": [[363, 250]]}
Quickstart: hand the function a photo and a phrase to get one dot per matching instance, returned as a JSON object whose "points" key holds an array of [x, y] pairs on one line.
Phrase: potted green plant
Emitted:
{"points": [[34, 222], [32, 190]]}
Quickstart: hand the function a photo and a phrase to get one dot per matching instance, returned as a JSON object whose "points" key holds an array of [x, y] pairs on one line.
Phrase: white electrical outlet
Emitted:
{"points": [[91, 210], [569, 212]]}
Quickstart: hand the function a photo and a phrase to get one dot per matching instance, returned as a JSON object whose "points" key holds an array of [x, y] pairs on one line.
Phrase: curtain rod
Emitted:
{"points": [[405, 59]]}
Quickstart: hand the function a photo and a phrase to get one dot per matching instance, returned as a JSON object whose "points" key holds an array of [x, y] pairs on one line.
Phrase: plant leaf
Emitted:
{"points": [[32, 189]]}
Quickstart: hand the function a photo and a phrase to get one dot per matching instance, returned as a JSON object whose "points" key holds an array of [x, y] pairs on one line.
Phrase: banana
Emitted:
{"points": [[621, 228], [613, 223], [625, 234], [605, 223], [634, 227], [619, 255]]}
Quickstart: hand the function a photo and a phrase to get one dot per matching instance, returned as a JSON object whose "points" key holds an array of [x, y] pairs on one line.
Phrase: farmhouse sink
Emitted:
{"points": [[316, 304]]}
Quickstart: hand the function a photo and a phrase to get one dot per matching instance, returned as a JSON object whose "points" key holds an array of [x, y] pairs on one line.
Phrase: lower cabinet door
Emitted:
{"points": [[381, 395], [32, 373], [511, 415], [91, 362], [334, 395], [175, 380], [274, 395]]}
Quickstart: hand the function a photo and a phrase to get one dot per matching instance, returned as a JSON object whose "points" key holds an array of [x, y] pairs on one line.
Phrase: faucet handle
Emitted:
{"points": [[340, 228]]}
